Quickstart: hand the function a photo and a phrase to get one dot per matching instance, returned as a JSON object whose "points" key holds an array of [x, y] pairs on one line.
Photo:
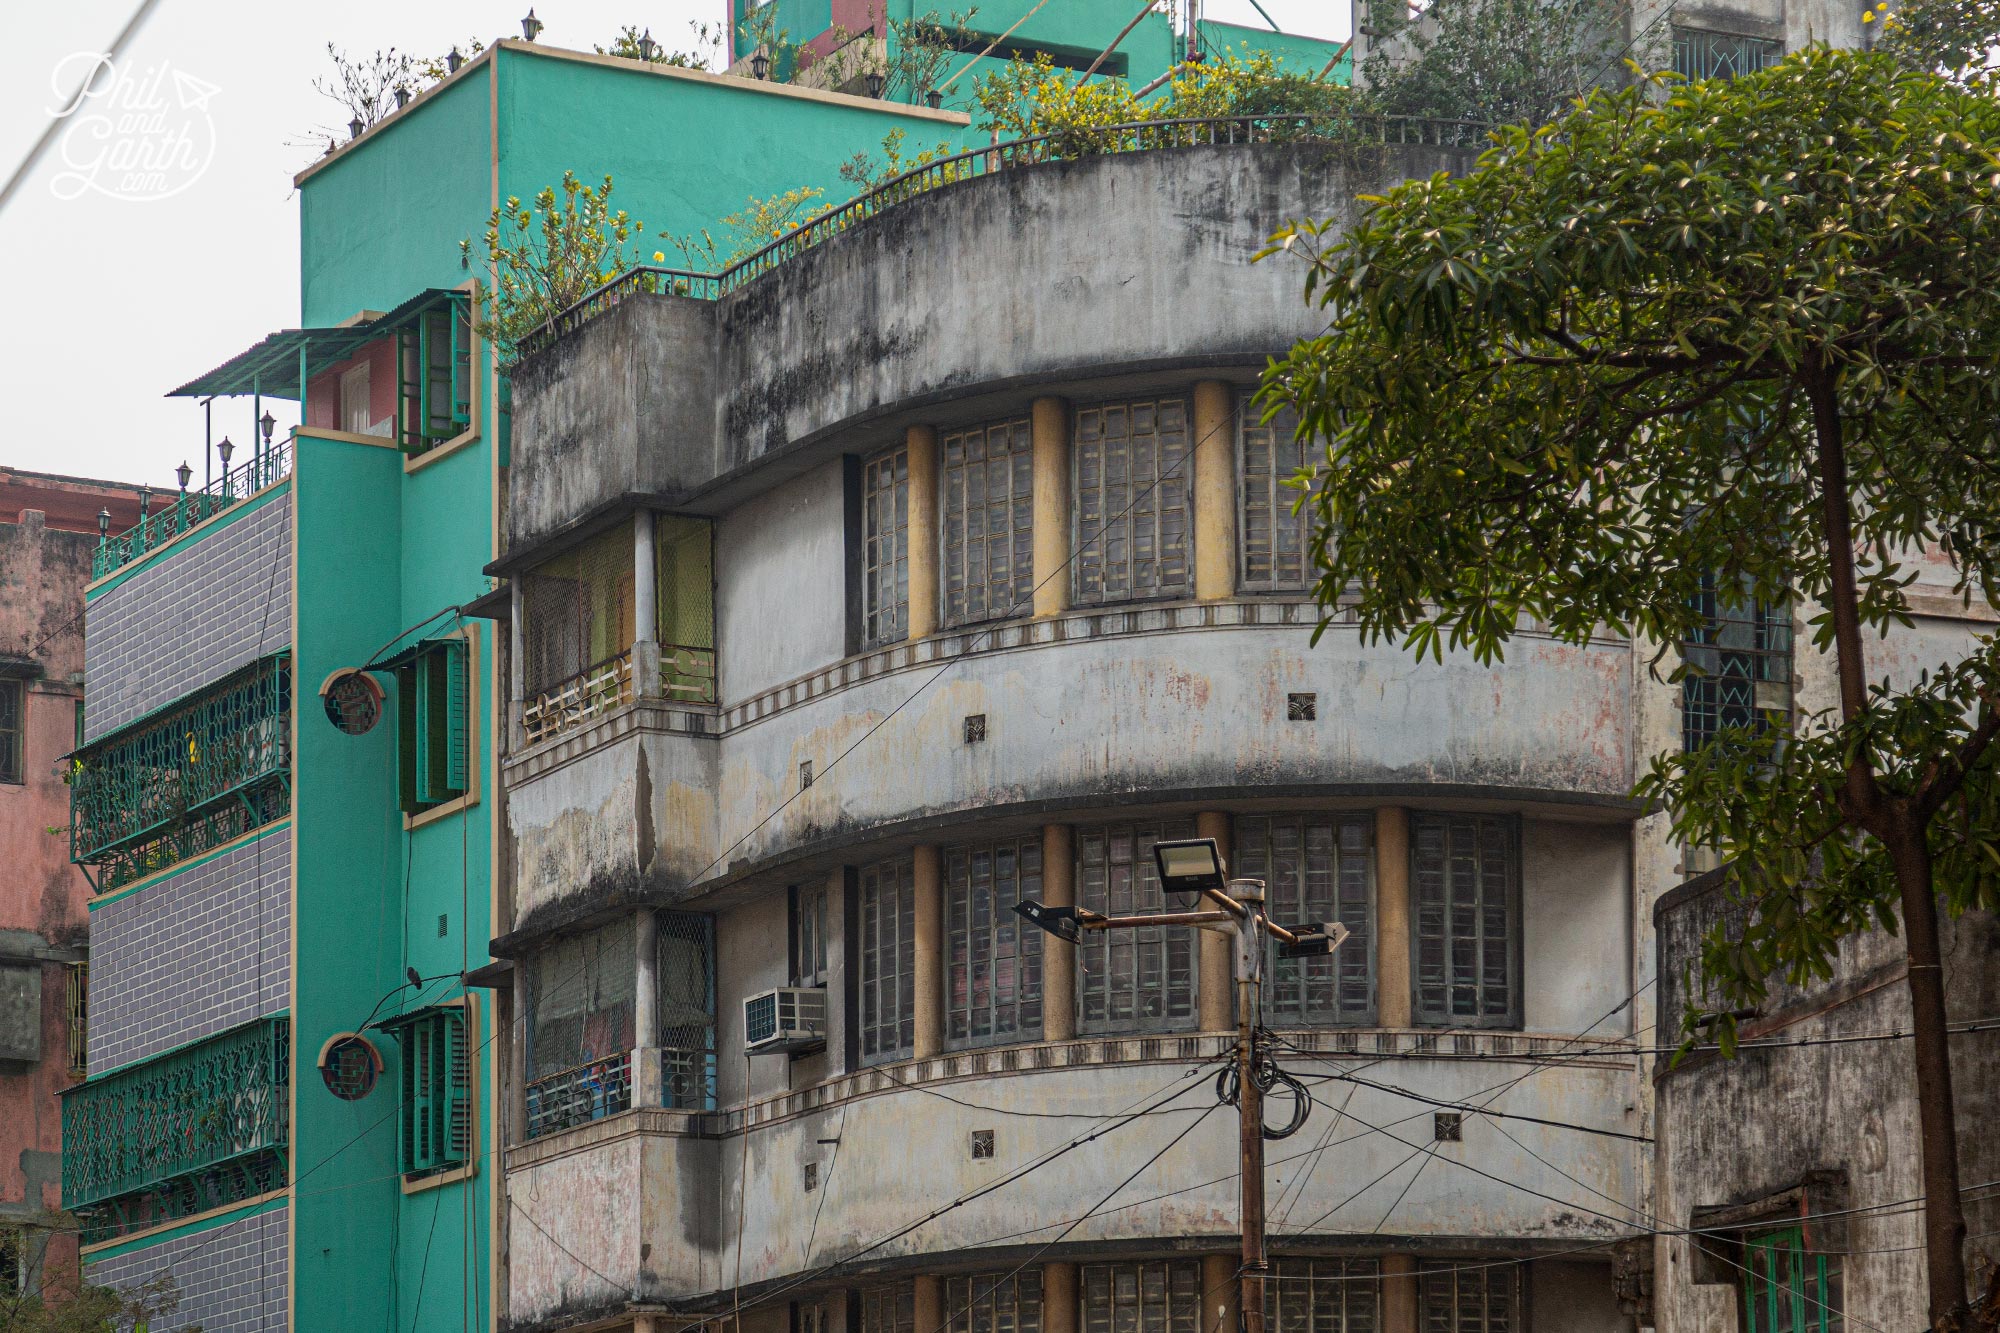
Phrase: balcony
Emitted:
{"points": [[191, 508], [185, 780], [201, 1127]]}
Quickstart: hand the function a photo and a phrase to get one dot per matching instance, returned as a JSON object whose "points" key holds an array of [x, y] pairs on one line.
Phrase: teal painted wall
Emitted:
{"points": [[1294, 54]]}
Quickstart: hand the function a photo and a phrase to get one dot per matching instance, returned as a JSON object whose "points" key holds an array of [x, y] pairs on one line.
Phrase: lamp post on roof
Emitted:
{"points": [[222, 451], [453, 61], [355, 127], [760, 64], [647, 46], [875, 82], [531, 27], [103, 527]]}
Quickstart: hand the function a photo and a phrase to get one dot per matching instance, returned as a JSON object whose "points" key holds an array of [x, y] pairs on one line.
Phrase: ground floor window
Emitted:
{"points": [[1470, 1296], [1323, 1296]]}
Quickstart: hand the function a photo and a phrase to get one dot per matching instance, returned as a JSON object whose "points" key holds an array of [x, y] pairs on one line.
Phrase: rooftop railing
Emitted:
{"points": [[1143, 136], [188, 508]]}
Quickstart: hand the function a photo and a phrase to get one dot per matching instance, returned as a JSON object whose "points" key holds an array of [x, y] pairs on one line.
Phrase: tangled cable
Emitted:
{"points": [[1266, 1074]]}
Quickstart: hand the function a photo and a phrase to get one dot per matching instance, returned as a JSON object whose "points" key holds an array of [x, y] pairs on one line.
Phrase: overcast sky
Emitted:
{"points": [[113, 300]]}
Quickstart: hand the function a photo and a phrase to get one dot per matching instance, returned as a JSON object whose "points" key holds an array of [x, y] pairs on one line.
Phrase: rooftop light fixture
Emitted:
{"points": [[145, 502], [1058, 921], [648, 48], [531, 27], [354, 128], [875, 83], [103, 524], [223, 451], [184, 472], [934, 99], [760, 64], [1190, 865], [453, 61], [269, 423], [402, 95]]}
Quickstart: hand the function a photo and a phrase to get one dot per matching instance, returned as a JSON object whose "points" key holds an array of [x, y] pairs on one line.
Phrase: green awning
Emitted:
{"points": [[274, 367]]}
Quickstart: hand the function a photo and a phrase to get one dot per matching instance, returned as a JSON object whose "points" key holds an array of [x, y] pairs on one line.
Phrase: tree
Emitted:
{"points": [[630, 44], [1955, 38], [366, 86], [1743, 331], [1514, 62], [63, 1305], [549, 255]]}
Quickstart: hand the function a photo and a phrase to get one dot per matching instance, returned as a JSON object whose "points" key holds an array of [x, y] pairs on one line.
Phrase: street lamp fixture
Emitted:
{"points": [[648, 48], [531, 27], [1192, 866], [402, 95], [453, 61], [269, 423], [760, 65], [875, 83], [934, 99], [103, 525], [354, 128], [1318, 940], [1060, 922], [184, 472]]}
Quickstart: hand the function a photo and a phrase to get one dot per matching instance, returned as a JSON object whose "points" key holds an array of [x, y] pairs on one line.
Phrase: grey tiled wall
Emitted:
{"points": [[196, 953], [231, 1278], [189, 617]]}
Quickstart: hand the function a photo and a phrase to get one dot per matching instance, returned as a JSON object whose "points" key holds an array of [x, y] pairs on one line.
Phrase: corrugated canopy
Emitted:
{"points": [[272, 367]]}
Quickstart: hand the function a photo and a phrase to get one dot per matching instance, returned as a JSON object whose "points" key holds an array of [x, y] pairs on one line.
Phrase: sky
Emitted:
{"points": [[117, 294]]}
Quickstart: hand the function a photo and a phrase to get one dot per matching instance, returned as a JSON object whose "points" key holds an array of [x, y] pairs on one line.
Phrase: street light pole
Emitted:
{"points": [[1250, 1102]]}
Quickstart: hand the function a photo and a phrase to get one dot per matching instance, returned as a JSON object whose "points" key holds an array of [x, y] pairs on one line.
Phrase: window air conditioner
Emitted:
{"points": [[788, 1019]]}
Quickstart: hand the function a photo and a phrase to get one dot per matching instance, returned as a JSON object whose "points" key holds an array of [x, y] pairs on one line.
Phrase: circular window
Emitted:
{"points": [[353, 701], [350, 1066]]}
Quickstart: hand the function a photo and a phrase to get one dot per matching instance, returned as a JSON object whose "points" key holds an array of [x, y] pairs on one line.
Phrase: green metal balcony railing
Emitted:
{"points": [[271, 464], [194, 1111], [186, 779]]}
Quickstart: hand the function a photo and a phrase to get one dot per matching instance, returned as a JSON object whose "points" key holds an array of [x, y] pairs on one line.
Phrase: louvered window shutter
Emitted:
{"points": [[436, 333], [444, 691], [457, 1048]]}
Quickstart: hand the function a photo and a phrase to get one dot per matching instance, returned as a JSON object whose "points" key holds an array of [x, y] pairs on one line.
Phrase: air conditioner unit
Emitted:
{"points": [[788, 1019]]}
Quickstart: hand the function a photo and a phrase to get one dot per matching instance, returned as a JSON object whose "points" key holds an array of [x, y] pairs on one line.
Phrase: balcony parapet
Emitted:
{"points": [[190, 509]]}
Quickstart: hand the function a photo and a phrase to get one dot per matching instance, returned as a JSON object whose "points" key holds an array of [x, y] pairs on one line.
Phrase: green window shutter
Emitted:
{"points": [[461, 362], [444, 690], [409, 390], [419, 1097], [408, 734], [437, 330], [458, 1107]]}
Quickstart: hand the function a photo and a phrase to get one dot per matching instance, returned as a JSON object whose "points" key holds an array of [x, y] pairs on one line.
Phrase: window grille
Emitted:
{"points": [[808, 931], [438, 1092], [1467, 874], [76, 1010], [434, 724], [13, 715], [1324, 1296], [885, 553], [1158, 1297], [1786, 1289], [1740, 666], [685, 942], [576, 635], [580, 1028], [1132, 980], [1275, 544], [1133, 517], [890, 1309], [684, 551], [888, 962], [995, 1302], [434, 375], [994, 986], [1470, 1297], [988, 540], [1702, 54], [1316, 868]]}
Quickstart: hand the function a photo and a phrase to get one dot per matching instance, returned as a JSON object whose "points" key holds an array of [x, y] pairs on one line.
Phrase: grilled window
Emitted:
{"points": [[885, 550], [1316, 868], [995, 1302], [13, 719], [684, 943], [1275, 543], [1131, 980], [994, 989], [576, 634], [434, 375], [438, 1092], [1470, 1298], [888, 962], [1133, 517], [890, 1309], [1324, 1296], [1739, 666], [1158, 1297], [580, 1000], [1467, 874], [684, 577], [76, 1009], [1786, 1289], [434, 724], [808, 932], [1702, 54], [989, 522]]}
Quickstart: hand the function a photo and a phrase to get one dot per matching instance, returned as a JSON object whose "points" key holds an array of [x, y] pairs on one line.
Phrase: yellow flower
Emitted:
{"points": [[1868, 17], [659, 256]]}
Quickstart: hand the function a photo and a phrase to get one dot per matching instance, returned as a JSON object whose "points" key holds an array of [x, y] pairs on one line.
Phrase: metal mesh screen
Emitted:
{"points": [[995, 1302], [1465, 873], [685, 552], [1131, 980], [1274, 548], [685, 942], [1159, 1297], [988, 540], [1316, 868], [888, 962], [580, 1000], [994, 959], [1470, 1298], [885, 559], [1324, 1296], [1131, 502], [576, 612]]}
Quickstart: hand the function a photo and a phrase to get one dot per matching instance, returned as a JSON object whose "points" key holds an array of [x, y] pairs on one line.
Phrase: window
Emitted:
{"points": [[888, 962], [434, 375], [356, 418], [1702, 54], [577, 634], [890, 1309], [995, 1302], [1785, 1288], [684, 551], [434, 725], [1316, 868], [1274, 543], [1131, 980], [1466, 874], [885, 548], [1131, 496], [808, 930], [1159, 1297], [994, 987], [988, 541], [13, 720], [580, 1032], [1470, 1297], [1740, 666], [684, 945], [438, 1090], [1323, 1296], [76, 1010]]}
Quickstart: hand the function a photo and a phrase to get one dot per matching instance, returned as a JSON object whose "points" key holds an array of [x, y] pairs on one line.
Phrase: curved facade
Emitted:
{"points": [[946, 566]]}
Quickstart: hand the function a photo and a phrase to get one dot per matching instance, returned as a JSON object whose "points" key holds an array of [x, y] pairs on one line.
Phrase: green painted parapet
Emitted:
{"points": [[192, 508]]}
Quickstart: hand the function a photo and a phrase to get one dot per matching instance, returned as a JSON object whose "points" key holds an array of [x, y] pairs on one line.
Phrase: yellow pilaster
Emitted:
{"points": [[1215, 994], [923, 531], [1214, 491], [1399, 1293], [1049, 422], [1392, 916], [1220, 1291], [1058, 956]]}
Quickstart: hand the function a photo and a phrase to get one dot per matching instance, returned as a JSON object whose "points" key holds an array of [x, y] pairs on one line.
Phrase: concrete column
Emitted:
{"points": [[921, 441], [517, 1041], [517, 666], [1215, 991], [645, 605], [1058, 956], [928, 884], [646, 1072], [929, 1310], [1049, 421], [1399, 1293], [1060, 1306], [1220, 1291], [1214, 491], [1392, 916]]}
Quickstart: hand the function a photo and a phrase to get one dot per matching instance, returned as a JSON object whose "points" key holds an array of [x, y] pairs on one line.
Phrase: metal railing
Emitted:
{"points": [[568, 703], [578, 1096], [1138, 137], [189, 508], [687, 674], [189, 1111]]}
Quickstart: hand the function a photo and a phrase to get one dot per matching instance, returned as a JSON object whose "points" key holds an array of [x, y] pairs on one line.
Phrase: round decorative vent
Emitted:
{"points": [[349, 1065], [353, 701]]}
